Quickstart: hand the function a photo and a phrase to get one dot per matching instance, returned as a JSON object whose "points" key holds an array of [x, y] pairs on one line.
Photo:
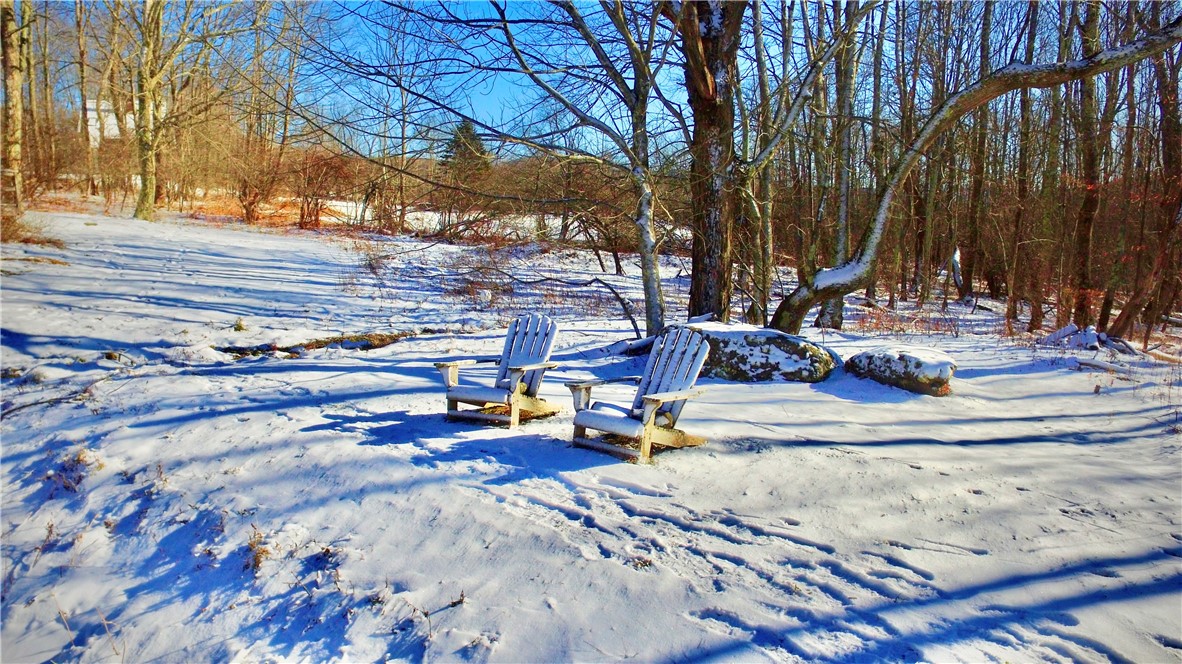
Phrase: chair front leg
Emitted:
{"points": [[514, 413], [646, 444], [648, 418]]}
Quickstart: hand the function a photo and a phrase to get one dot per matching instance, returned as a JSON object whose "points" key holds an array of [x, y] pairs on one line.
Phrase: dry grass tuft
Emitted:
{"points": [[259, 551], [74, 469], [23, 231]]}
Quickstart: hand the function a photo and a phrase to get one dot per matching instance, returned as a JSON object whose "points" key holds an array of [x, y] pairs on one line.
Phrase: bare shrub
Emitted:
{"points": [[24, 231]]}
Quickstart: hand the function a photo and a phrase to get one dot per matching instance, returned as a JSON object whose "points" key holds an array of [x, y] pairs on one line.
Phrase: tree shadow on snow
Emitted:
{"points": [[311, 619], [1047, 618], [1146, 429], [439, 443], [848, 387]]}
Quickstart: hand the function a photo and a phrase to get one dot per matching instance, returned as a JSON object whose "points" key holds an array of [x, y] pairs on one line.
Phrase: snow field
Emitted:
{"points": [[168, 502]]}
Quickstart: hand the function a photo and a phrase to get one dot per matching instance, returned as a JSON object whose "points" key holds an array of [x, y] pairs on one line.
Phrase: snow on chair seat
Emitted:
{"points": [[673, 366], [523, 362]]}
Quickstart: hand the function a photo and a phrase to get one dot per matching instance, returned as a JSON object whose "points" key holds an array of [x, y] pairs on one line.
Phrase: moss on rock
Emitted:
{"points": [[749, 354], [922, 371]]}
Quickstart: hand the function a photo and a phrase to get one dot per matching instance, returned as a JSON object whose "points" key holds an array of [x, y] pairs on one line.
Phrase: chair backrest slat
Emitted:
{"points": [[529, 340], [673, 365]]}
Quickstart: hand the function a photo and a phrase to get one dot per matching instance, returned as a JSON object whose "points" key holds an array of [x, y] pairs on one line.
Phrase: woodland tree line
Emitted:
{"points": [[898, 149]]}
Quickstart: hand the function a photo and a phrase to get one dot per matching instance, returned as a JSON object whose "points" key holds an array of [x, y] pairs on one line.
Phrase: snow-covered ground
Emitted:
{"points": [[163, 501]]}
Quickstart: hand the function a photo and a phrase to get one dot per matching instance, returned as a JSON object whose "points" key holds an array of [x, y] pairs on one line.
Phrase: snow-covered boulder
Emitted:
{"points": [[749, 354], [921, 370]]}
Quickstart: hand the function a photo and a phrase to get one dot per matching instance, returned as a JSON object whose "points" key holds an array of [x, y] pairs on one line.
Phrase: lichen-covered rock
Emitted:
{"points": [[749, 354], [920, 370]]}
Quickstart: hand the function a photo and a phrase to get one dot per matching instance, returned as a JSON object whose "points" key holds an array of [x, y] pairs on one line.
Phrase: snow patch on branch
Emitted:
{"points": [[1071, 337], [711, 24], [847, 273]]}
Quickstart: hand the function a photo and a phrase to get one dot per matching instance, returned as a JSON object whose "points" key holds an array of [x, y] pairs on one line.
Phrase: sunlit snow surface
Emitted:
{"points": [[163, 501]]}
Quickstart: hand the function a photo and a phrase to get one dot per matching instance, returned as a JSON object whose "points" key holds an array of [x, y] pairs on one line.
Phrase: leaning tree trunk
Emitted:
{"points": [[856, 272]]}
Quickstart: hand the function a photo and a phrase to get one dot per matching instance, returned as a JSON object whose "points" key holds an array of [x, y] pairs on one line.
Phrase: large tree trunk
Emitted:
{"points": [[971, 248], [36, 146], [1016, 229], [856, 272], [147, 96], [710, 34], [11, 182], [1084, 313]]}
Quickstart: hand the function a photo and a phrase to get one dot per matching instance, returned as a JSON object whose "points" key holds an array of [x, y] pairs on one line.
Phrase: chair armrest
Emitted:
{"points": [[455, 363], [653, 402], [580, 390], [451, 370], [659, 398], [601, 381], [516, 373], [533, 367]]}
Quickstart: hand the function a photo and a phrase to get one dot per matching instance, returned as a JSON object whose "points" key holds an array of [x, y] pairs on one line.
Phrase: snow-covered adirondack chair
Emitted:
{"points": [[673, 365], [522, 363]]}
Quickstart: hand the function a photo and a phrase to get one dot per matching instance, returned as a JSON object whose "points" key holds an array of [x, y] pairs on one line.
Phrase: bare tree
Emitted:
{"points": [[90, 186], [12, 183], [1024, 148], [1166, 253], [856, 272], [710, 37], [176, 43], [599, 87], [781, 98], [830, 315]]}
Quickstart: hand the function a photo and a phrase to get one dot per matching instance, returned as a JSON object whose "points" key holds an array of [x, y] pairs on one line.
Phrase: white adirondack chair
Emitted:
{"points": [[522, 363], [673, 366]]}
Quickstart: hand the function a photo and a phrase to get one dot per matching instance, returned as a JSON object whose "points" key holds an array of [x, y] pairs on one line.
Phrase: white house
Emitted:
{"points": [[103, 123]]}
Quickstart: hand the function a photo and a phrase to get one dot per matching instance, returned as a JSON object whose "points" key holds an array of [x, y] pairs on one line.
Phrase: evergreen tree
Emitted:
{"points": [[465, 155]]}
